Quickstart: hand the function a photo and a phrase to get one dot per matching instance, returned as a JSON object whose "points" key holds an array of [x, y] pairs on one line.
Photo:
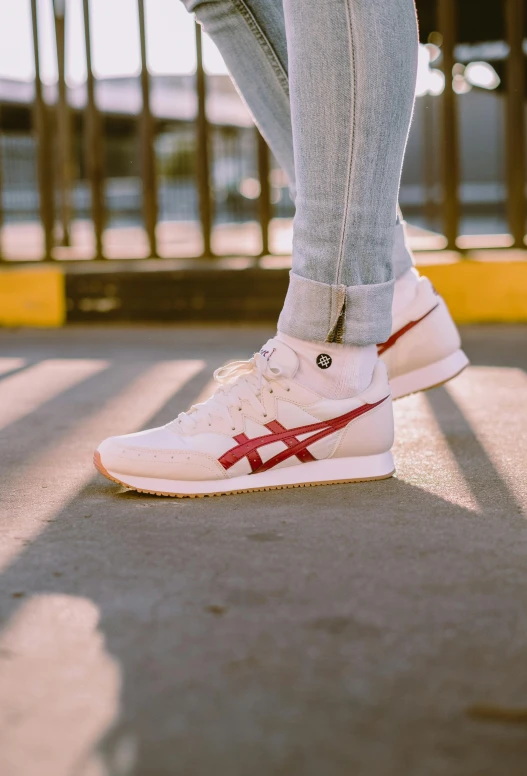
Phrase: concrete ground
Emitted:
{"points": [[354, 630]]}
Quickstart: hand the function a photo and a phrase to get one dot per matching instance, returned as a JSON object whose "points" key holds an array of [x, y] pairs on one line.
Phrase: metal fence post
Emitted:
{"points": [[44, 155], [515, 120], [63, 123], [264, 200], [93, 143], [447, 24], [148, 161], [429, 160], [203, 150], [1, 196]]}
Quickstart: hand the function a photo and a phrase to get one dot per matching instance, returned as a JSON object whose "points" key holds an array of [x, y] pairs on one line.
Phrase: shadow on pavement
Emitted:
{"points": [[331, 630]]}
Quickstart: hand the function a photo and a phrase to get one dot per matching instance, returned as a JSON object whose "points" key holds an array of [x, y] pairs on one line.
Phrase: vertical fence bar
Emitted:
{"points": [[429, 160], [447, 24], [264, 200], [203, 150], [1, 194], [44, 156], [515, 121], [148, 160], [93, 143], [63, 124]]}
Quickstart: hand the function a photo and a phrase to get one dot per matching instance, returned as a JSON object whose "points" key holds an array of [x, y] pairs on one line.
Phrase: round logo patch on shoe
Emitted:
{"points": [[324, 361]]}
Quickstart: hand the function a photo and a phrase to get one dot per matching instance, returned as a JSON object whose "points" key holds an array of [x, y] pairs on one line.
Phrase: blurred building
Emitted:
{"points": [[479, 81]]}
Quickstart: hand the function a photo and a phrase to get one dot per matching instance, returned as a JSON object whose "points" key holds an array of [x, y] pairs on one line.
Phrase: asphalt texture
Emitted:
{"points": [[374, 629]]}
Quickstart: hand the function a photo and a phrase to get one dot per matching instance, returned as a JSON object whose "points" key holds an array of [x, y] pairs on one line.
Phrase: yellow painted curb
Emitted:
{"points": [[475, 291], [32, 296], [481, 291]]}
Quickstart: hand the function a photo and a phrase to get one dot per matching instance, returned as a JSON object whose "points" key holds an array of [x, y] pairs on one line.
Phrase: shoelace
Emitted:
{"points": [[237, 381]]}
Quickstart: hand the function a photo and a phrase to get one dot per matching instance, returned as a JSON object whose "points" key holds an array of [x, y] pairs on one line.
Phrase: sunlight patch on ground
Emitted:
{"points": [[25, 513], [70, 683], [24, 392], [493, 401], [423, 457], [9, 364]]}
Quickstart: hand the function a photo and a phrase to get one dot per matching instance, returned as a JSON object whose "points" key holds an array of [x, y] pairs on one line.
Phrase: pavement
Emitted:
{"points": [[374, 629]]}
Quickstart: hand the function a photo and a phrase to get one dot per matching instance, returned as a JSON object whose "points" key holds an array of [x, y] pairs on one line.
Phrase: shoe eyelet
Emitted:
{"points": [[239, 409], [271, 390], [288, 389], [233, 428], [265, 414]]}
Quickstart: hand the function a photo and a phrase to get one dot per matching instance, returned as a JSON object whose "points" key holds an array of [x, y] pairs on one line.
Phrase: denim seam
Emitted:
{"points": [[310, 306], [333, 316], [351, 143], [246, 13], [337, 300]]}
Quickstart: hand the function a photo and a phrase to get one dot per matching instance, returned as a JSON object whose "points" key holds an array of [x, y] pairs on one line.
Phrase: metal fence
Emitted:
{"points": [[204, 173]]}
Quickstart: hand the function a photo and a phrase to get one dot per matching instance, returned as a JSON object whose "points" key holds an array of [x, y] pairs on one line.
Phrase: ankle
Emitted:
{"points": [[332, 370]]}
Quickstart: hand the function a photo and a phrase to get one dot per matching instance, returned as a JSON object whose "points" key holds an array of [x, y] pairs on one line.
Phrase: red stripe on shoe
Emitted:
{"points": [[254, 456], [246, 447], [304, 455], [384, 346]]}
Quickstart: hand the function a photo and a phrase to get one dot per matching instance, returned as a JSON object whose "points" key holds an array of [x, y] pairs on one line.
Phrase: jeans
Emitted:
{"points": [[330, 84]]}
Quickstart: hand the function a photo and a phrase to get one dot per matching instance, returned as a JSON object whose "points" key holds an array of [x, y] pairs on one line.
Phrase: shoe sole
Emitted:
{"points": [[431, 376], [333, 471]]}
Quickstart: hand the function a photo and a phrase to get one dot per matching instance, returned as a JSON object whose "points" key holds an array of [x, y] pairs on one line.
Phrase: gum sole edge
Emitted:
{"points": [[100, 468]]}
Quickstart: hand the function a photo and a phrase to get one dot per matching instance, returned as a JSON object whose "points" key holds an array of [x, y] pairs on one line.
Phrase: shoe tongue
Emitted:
{"points": [[278, 354]]}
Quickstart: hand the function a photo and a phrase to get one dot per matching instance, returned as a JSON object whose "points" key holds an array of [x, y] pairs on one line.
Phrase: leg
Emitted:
{"points": [[352, 68], [251, 35]]}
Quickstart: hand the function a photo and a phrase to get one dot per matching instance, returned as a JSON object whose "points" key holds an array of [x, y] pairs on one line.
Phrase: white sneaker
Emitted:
{"points": [[424, 349], [259, 431]]}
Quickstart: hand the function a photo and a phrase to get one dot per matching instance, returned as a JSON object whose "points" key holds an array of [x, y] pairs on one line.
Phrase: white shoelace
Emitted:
{"points": [[237, 381]]}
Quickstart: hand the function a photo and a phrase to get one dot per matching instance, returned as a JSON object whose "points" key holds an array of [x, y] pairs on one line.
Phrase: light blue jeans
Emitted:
{"points": [[330, 84]]}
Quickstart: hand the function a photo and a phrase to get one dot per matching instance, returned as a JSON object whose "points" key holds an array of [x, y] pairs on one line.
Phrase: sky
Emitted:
{"points": [[115, 39]]}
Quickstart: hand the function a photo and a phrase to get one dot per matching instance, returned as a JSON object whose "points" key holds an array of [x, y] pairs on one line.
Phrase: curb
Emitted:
{"points": [[480, 291], [32, 296], [475, 291]]}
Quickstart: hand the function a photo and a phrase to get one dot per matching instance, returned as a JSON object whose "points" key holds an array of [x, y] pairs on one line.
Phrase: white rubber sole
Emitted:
{"points": [[329, 471], [429, 376]]}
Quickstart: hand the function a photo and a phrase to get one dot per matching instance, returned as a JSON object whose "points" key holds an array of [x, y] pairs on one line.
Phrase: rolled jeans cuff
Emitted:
{"points": [[401, 255], [313, 311]]}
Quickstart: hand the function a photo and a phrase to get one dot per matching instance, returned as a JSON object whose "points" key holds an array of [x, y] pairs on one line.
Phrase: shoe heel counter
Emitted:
{"points": [[370, 434], [433, 339], [439, 336]]}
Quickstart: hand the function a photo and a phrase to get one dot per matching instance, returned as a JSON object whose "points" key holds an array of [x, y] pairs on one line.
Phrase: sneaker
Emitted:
{"points": [[259, 431], [425, 348]]}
